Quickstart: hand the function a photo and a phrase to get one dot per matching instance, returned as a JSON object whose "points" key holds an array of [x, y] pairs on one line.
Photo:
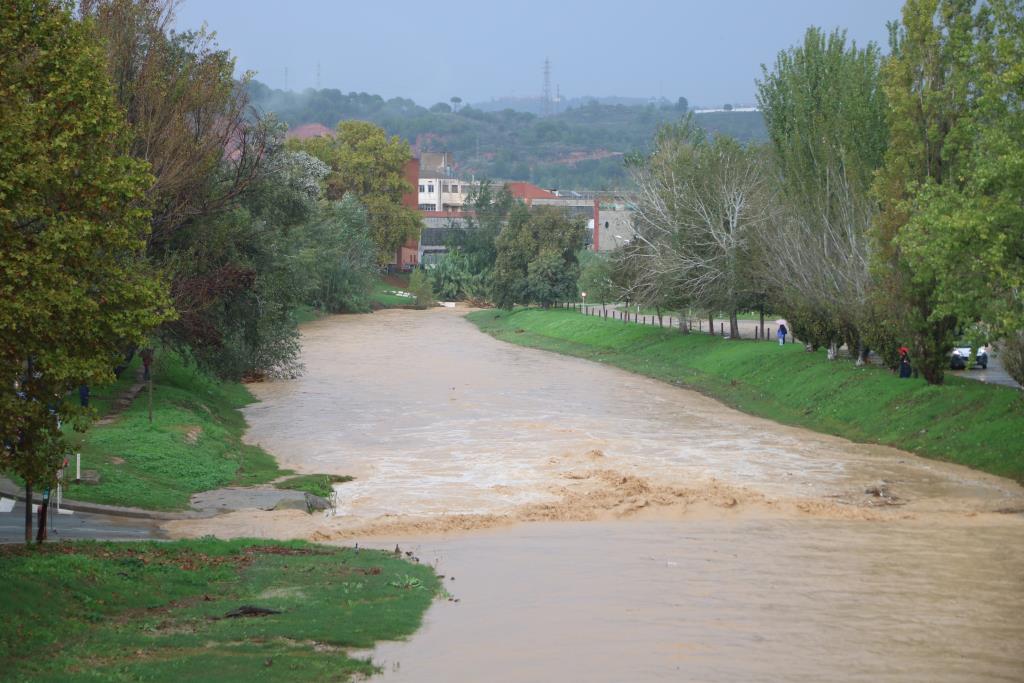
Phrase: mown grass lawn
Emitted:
{"points": [[963, 421], [154, 611]]}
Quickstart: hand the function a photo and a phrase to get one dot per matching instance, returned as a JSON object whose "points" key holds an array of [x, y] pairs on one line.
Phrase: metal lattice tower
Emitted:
{"points": [[546, 104]]}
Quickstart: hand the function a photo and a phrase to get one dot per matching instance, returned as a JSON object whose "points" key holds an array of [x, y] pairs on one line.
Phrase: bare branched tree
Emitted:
{"points": [[701, 205], [817, 256]]}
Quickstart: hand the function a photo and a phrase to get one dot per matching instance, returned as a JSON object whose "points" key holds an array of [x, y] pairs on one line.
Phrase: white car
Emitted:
{"points": [[961, 355]]}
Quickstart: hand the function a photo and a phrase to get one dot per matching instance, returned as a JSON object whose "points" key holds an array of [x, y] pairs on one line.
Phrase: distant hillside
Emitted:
{"points": [[535, 105], [580, 148]]}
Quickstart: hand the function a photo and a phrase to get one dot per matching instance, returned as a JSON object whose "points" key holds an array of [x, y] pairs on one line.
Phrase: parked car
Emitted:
{"points": [[961, 355]]}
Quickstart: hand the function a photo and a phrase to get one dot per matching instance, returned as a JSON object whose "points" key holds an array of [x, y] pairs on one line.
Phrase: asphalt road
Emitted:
{"points": [[78, 526]]}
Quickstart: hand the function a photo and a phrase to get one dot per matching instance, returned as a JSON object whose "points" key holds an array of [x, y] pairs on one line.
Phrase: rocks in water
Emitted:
{"points": [[307, 503], [316, 503], [879, 491]]}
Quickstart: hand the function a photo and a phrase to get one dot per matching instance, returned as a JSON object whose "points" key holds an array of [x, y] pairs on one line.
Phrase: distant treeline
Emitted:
{"points": [[580, 148]]}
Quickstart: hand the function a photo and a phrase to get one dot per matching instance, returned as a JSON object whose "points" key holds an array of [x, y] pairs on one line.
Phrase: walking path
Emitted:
{"points": [[995, 373]]}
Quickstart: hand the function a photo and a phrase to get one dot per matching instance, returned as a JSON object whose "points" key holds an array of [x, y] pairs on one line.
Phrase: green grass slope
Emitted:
{"points": [[963, 421], [156, 611], [194, 443]]}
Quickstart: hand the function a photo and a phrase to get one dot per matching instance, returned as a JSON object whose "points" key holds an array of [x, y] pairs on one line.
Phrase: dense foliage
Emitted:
{"points": [[365, 162], [825, 111], [953, 228], [536, 257], [75, 291]]}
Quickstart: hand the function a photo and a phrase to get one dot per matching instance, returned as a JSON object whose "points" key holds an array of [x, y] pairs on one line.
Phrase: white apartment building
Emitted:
{"points": [[440, 189], [443, 194]]}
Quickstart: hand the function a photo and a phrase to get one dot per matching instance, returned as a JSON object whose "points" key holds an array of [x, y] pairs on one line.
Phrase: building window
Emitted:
{"points": [[444, 188], [455, 188], [430, 188], [428, 207], [423, 188]]}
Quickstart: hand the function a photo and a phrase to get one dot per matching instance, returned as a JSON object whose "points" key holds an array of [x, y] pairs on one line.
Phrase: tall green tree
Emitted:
{"points": [[930, 82], [536, 257], [964, 231], [370, 165], [825, 112], [74, 288]]}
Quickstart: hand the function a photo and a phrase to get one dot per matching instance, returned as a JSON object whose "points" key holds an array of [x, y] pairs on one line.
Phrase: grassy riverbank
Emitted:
{"points": [[966, 422], [158, 611], [193, 444]]}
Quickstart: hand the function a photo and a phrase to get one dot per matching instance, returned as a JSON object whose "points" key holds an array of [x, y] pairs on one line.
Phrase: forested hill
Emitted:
{"points": [[580, 148]]}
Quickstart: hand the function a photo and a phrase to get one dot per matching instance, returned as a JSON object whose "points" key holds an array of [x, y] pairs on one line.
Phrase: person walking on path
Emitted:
{"points": [[781, 334]]}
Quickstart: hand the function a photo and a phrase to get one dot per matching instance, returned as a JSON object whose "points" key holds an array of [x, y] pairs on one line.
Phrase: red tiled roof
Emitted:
{"points": [[527, 191]]}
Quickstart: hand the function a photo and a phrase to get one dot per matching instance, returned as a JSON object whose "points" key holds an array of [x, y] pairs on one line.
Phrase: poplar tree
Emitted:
{"points": [[965, 231], [825, 113], [929, 83]]}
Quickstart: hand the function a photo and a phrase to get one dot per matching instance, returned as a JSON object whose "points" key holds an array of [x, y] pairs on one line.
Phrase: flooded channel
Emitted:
{"points": [[683, 540]]}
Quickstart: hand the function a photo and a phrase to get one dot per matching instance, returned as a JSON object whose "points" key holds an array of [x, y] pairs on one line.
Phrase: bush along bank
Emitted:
{"points": [[238, 610], [193, 444], [963, 421]]}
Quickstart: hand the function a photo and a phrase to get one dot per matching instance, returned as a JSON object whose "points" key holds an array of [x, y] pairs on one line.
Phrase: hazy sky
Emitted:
{"points": [[709, 51]]}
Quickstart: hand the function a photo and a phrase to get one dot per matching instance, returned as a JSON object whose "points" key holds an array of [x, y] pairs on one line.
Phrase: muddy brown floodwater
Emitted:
{"points": [[671, 538]]}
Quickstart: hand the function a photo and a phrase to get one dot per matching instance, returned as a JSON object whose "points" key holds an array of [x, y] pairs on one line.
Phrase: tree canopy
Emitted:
{"points": [[364, 161], [536, 257], [75, 291]]}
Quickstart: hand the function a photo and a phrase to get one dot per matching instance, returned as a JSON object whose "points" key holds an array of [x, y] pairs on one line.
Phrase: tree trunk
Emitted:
{"points": [[734, 325], [862, 352], [762, 320], [657, 309], [44, 507], [711, 323], [833, 350], [28, 512]]}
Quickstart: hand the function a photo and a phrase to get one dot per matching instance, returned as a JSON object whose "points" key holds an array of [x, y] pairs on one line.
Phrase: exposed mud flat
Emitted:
{"points": [[681, 540]]}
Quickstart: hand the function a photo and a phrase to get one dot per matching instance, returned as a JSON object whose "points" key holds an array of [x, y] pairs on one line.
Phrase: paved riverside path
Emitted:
{"points": [[80, 525], [750, 329]]}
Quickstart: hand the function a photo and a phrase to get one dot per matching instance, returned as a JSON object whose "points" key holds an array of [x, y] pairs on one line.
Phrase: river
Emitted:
{"points": [[602, 526]]}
